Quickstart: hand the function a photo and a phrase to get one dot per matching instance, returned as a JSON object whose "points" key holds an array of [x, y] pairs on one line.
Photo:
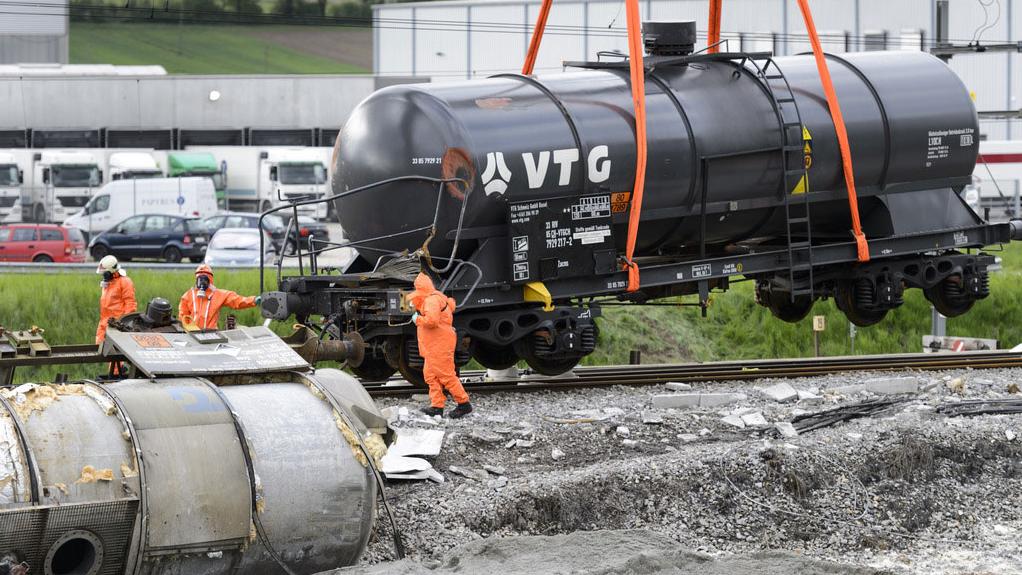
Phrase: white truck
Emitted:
{"points": [[132, 165], [258, 178], [998, 178], [116, 201], [11, 177], [61, 183]]}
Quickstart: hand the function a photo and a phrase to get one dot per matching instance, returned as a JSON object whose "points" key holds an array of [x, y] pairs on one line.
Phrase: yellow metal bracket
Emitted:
{"points": [[537, 292]]}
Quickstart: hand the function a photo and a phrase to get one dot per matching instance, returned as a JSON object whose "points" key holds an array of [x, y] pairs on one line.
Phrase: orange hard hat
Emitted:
{"points": [[204, 269]]}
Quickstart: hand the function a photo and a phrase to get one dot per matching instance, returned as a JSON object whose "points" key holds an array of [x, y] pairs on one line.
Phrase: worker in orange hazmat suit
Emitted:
{"points": [[117, 297], [199, 308], [434, 321]]}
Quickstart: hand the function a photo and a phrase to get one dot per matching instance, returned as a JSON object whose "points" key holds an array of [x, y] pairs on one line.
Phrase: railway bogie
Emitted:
{"points": [[951, 281]]}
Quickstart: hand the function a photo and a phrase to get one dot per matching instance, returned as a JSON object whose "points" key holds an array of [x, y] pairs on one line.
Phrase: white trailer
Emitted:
{"points": [[130, 165], [11, 178], [60, 183], [260, 178], [998, 177]]}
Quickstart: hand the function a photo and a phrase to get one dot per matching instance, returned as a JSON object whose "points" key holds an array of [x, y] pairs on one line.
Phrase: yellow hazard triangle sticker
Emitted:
{"points": [[807, 149]]}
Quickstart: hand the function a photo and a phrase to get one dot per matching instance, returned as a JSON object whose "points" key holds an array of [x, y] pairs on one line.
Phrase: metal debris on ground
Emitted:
{"points": [[981, 407], [820, 419]]}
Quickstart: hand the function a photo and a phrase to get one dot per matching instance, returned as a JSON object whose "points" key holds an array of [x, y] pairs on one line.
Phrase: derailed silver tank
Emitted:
{"points": [[179, 476]]}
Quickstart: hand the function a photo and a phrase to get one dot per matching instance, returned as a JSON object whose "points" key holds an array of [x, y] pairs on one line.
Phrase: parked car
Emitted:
{"points": [[272, 223], [306, 227], [181, 197], [153, 236], [239, 247], [41, 243]]}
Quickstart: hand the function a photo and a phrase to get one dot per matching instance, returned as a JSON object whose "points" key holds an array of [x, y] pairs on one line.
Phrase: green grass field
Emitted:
{"points": [[195, 49], [66, 305]]}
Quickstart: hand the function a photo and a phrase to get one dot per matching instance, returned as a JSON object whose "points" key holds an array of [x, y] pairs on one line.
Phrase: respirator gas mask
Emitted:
{"points": [[107, 276], [202, 284]]}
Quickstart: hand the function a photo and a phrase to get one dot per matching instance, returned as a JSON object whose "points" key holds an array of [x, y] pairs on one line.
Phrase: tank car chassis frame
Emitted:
{"points": [[495, 320]]}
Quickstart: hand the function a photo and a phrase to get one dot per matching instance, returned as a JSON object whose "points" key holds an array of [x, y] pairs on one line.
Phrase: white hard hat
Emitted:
{"points": [[107, 264]]}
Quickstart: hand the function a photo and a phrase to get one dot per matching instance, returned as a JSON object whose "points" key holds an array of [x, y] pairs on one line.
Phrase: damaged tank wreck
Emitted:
{"points": [[224, 453]]}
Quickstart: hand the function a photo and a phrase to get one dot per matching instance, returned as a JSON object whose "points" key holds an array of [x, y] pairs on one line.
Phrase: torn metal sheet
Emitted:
{"points": [[412, 441], [409, 468], [15, 483], [429, 474]]}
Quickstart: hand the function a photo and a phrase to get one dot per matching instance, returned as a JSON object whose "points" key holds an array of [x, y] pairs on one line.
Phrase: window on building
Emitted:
{"points": [[912, 40], [874, 40]]}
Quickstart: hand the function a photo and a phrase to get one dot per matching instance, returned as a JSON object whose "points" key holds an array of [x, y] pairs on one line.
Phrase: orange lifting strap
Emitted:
{"points": [[638, 82], [835, 112], [713, 31]]}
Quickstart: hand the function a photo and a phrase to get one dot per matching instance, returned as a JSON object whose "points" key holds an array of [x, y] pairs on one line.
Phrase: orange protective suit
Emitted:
{"points": [[117, 299], [203, 311], [437, 340]]}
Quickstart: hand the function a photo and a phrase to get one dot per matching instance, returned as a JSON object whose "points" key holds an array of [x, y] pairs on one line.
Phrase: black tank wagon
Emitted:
{"points": [[519, 188]]}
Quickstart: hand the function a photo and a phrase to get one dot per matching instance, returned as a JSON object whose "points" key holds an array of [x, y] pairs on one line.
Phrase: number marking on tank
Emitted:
{"points": [[701, 271]]}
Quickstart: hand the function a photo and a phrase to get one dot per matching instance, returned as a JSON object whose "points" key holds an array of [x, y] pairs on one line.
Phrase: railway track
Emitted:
{"points": [[636, 375]]}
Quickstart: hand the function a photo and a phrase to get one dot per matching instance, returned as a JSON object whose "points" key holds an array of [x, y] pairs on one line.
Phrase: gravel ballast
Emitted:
{"points": [[908, 490]]}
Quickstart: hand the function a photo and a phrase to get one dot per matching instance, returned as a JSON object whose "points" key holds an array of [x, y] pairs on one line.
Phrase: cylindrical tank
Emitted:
{"points": [[178, 476], [910, 121]]}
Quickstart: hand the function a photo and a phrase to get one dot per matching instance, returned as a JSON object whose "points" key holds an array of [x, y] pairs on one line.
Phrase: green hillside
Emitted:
{"points": [[199, 49]]}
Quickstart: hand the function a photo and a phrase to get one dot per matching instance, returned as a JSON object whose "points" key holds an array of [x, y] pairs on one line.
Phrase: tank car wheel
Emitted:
{"points": [[526, 348], [373, 369], [396, 350], [949, 297], [850, 300], [412, 375], [784, 309], [494, 356]]}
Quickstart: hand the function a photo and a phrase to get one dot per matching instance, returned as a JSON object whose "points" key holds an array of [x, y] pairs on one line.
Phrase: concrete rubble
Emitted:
{"points": [[754, 420], [604, 480], [677, 386], [693, 400], [786, 429], [782, 392], [880, 386]]}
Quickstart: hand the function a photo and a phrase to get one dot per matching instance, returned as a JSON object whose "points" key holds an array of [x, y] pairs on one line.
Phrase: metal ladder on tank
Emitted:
{"points": [[796, 206]]}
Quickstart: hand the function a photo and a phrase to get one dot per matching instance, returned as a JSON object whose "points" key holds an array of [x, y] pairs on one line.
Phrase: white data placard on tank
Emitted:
{"points": [[236, 351]]}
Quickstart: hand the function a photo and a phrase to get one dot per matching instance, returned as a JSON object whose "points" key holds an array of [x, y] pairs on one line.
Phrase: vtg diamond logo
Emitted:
{"points": [[496, 176], [494, 164]]}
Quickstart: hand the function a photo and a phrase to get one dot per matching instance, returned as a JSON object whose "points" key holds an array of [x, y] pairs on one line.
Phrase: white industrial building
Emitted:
{"points": [[34, 31], [450, 40]]}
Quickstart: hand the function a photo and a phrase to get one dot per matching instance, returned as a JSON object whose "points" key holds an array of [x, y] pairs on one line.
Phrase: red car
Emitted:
{"points": [[41, 243]]}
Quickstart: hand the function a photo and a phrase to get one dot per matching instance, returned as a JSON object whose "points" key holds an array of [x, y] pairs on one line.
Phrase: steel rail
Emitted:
{"points": [[639, 375]]}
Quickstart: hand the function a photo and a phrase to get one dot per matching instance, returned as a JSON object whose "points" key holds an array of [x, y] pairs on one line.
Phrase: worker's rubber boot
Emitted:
{"points": [[462, 410], [432, 411]]}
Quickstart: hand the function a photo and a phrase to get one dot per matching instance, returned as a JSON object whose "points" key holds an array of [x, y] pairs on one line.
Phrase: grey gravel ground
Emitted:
{"points": [[906, 491]]}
